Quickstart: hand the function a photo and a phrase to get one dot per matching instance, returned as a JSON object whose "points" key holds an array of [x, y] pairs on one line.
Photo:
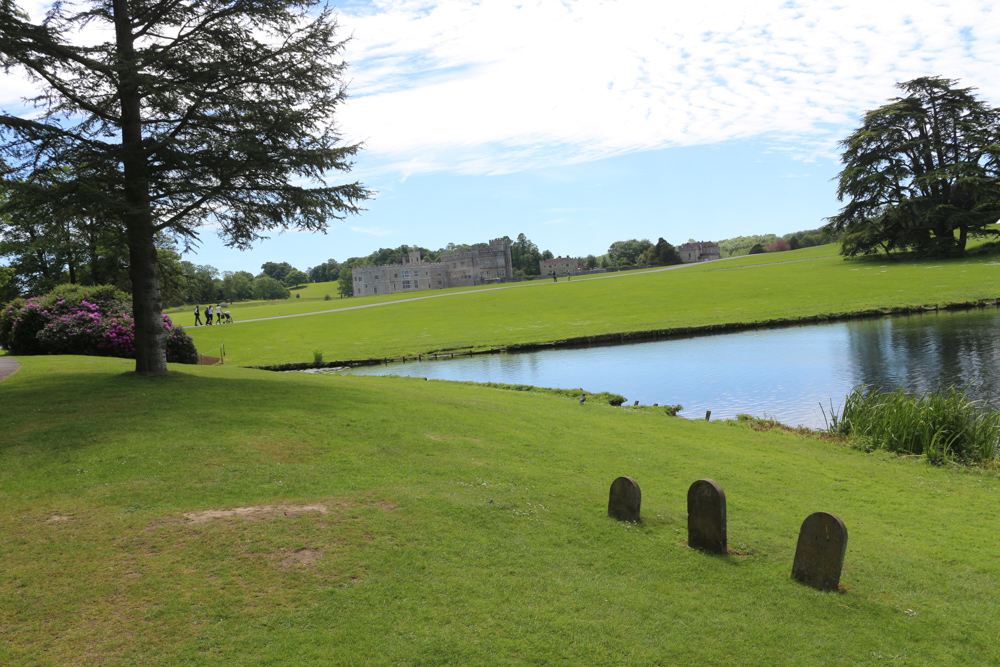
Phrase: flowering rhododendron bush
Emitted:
{"points": [[82, 320]]}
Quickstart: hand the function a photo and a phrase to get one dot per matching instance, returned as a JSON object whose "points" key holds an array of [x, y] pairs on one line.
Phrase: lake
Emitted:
{"points": [[782, 373]]}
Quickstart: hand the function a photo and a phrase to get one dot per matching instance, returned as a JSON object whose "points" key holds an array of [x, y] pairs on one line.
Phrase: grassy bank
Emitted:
{"points": [[400, 521], [715, 293]]}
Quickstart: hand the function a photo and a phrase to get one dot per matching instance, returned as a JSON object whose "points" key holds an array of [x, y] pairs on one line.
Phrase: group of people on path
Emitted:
{"points": [[211, 311]]}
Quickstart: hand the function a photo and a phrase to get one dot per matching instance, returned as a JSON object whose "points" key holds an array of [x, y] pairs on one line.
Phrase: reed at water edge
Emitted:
{"points": [[939, 425]]}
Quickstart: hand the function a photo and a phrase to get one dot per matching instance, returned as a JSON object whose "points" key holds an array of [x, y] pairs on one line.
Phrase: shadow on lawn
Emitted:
{"points": [[75, 404]]}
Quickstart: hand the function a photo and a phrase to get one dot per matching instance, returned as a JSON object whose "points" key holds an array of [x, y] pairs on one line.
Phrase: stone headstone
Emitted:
{"points": [[819, 554], [707, 517], [625, 499]]}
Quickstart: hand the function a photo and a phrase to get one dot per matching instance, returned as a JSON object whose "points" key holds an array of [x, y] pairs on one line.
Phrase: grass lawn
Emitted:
{"points": [[397, 521], [793, 284]]}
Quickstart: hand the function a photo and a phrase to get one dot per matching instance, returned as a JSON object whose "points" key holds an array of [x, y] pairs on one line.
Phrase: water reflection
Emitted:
{"points": [[785, 373], [929, 352]]}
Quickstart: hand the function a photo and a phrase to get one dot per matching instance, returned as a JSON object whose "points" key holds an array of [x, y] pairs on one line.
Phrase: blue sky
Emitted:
{"points": [[584, 122]]}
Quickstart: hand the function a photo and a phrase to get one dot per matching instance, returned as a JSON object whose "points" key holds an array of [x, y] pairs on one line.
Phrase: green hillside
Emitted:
{"points": [[228, 516], [795, 284]]}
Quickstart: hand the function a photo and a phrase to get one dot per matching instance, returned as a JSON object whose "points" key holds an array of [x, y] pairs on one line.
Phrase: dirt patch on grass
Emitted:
{"points": [[208, 361], [300, 558], [253, 512]]}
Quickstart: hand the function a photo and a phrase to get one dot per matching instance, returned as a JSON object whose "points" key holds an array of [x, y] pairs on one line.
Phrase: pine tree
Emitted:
{"points": [[919, 170], [191, 112]]}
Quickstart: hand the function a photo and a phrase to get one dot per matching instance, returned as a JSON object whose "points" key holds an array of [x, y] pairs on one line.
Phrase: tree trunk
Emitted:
{"points": [[147, 305], [963, 237]]}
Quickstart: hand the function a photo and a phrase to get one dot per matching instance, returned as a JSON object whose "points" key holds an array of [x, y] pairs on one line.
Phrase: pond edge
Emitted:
{"points": [[651, 334]]}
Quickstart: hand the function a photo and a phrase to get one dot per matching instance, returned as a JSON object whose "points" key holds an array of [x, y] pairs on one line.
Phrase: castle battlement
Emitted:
{"points": [[480, 265]]}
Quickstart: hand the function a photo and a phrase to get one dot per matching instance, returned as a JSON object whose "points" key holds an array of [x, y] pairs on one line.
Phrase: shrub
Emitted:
{"points": [[94, 321], [180, 347]]}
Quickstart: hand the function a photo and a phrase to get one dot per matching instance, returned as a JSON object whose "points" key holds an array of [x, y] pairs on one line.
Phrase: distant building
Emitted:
{"points": [[562, 265], [702, 251], [481, 264]]}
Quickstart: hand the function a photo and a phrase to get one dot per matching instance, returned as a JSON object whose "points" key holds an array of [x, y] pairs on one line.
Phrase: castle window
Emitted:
{"points": [[406, 284]]}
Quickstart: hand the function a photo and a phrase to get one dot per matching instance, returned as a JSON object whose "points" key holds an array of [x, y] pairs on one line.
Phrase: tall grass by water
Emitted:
{"points": [[939, 425]]}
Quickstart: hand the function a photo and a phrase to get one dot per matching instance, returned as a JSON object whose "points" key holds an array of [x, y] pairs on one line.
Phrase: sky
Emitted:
{"points": [[580, 123]]}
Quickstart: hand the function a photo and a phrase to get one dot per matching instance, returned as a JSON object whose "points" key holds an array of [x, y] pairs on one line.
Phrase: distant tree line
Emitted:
{"points": [[44, 252]]}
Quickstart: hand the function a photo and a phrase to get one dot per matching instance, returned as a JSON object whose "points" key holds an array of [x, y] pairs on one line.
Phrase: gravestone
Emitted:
{"points": [[819, 554], [707, 517], [624, 499]]}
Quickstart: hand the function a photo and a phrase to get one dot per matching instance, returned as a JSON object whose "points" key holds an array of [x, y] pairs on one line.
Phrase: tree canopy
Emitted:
{"points": [[525, 256], [661, 254], [922, 172], [186, 113], [627, 253]]}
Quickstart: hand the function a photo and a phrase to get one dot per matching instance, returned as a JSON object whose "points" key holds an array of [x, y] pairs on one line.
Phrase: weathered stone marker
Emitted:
{"points": [[707, 517], [624, 499], [819, 555]]}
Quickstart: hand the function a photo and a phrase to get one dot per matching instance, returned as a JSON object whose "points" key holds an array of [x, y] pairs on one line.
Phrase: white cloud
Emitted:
{"points": [[499, 86]]}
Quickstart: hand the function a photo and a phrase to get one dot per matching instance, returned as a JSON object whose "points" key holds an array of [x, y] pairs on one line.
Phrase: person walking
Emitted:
{"points": [[197, 316], [218, 314], [208, 315]]}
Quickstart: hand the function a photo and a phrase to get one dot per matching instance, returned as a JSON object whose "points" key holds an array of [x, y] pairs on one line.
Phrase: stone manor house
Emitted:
{"points": [[480, 265], [702, 251]]}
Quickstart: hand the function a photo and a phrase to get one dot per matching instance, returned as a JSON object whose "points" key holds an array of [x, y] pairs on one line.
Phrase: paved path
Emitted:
{"points": [[8, 366], [539, 280]]}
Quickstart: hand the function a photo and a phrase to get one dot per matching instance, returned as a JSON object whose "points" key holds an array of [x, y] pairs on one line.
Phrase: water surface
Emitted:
{"points": [[784, 373]]}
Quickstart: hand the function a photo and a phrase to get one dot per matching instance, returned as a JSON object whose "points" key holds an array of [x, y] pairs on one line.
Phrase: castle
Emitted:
{"points": [[482, 264]]}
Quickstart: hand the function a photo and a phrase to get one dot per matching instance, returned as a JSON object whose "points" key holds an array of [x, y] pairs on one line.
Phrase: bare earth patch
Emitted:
{"points": [[300, 558], [254, 512]]}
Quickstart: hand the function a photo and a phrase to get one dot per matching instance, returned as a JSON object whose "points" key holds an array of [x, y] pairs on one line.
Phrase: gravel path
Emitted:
{"points": [[8, 366]]}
